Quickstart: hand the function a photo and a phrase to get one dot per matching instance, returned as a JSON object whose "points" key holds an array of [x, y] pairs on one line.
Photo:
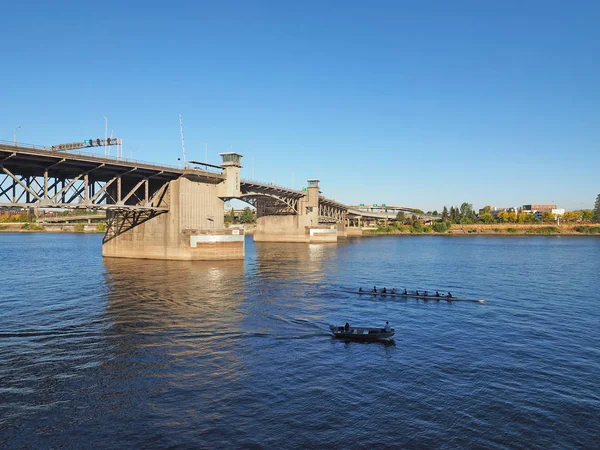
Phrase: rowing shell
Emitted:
{"points": [[409, 295]]}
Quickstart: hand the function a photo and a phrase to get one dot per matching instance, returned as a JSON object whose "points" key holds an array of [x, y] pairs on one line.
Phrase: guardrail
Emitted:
{"points": [[271, 185], [84, 153]]}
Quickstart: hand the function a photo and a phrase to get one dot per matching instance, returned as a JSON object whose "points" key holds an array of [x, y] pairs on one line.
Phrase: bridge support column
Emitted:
{"points": [[341, 230], [191, 229]]}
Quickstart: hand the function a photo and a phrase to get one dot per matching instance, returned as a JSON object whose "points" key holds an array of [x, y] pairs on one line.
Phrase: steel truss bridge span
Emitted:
{"points": [[30, 177], [273, 200]]}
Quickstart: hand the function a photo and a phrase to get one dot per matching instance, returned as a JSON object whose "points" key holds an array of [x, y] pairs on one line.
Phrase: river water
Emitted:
{"points": [[150, 354]]}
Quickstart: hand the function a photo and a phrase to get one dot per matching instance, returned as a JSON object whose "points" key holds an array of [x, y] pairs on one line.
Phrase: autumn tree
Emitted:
{"points": [[486, 217], [503, 216], [547, 217]]}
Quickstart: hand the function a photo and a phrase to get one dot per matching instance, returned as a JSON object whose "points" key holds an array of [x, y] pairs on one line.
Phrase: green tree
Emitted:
{"points": [[445, 214], [597, 209], [466, 211], [247, 216], [486, 217], [454, 215], [587, 215], [401, 216]]}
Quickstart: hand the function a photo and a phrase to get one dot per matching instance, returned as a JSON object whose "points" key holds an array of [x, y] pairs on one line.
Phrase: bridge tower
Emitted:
{"points": [[231, 163]]}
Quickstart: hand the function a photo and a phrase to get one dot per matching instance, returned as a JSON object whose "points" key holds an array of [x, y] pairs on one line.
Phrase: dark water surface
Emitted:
{"points": [[144, 354]]}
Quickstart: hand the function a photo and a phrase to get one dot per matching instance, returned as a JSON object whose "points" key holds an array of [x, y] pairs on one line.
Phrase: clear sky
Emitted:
{"points": [[417, 103]]}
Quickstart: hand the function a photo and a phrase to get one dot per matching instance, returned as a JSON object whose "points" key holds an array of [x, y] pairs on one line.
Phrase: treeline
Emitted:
{"points": [[16, 218], [248, 215], [466, 215]]}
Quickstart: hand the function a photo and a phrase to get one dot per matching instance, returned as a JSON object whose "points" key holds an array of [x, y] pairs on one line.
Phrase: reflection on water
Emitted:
{"points": [[146, 354]]}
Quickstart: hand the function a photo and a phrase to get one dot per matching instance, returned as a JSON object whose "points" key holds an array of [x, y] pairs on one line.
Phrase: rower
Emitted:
{"points": [[393, 290], [374, 289], [449, 295], [416, 292], [437, 294], [387, 327], [405, 292], [384, 290], [425, 293], [359, 289]]}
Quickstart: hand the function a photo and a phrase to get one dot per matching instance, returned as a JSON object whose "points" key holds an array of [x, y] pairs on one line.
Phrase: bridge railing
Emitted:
{"points": [[85, 153], [271, 185]]}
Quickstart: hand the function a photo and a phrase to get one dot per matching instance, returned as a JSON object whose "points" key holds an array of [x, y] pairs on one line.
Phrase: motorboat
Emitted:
{"points": [[361, 333]]}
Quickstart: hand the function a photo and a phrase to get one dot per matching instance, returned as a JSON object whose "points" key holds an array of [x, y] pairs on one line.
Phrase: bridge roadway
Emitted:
{"points": [[32, 176], [352, 212]]}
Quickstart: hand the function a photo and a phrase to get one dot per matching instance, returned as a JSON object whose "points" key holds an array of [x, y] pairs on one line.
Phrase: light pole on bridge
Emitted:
{"points": [[205, 151], [15, 135]]}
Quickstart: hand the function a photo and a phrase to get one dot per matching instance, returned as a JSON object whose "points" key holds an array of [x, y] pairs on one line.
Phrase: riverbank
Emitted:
{"points": [[497, 229], [30, 227], [51, 228]]}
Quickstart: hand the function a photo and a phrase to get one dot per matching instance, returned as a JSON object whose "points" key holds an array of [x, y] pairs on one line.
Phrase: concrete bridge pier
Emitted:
{"points": [[186, 223], [302, 227]]}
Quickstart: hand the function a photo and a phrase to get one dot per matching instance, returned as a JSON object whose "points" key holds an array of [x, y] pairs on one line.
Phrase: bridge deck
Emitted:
{"points": [[29, 161]]}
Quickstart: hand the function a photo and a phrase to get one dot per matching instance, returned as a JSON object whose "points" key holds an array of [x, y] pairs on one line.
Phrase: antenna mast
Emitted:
{"points": [[182, 141]]}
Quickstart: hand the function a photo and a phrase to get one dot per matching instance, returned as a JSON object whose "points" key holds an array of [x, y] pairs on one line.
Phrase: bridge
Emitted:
{"points": [[165, 212], [372, 215]]}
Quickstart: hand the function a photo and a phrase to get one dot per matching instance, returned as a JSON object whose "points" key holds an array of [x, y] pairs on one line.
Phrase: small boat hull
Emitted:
{"points": [[362, 334]]}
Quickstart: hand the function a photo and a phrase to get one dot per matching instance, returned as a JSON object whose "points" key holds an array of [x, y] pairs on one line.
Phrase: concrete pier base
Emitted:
{"points": [[191, 229], [354, 231], [293, 229]]}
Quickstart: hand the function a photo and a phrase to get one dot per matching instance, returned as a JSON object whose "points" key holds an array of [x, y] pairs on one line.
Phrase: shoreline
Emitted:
{"points": [[500, 230], [504, 230]]}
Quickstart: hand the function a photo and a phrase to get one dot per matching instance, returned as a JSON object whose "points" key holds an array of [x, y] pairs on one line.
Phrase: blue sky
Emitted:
{"points": [[418, 103]]}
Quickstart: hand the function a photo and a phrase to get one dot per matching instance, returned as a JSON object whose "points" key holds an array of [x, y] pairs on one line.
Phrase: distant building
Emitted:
{"points": [[538, 210], [539, 207]]}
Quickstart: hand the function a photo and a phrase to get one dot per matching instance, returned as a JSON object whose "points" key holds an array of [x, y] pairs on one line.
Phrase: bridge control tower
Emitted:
{"points": [[231, 164]]}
